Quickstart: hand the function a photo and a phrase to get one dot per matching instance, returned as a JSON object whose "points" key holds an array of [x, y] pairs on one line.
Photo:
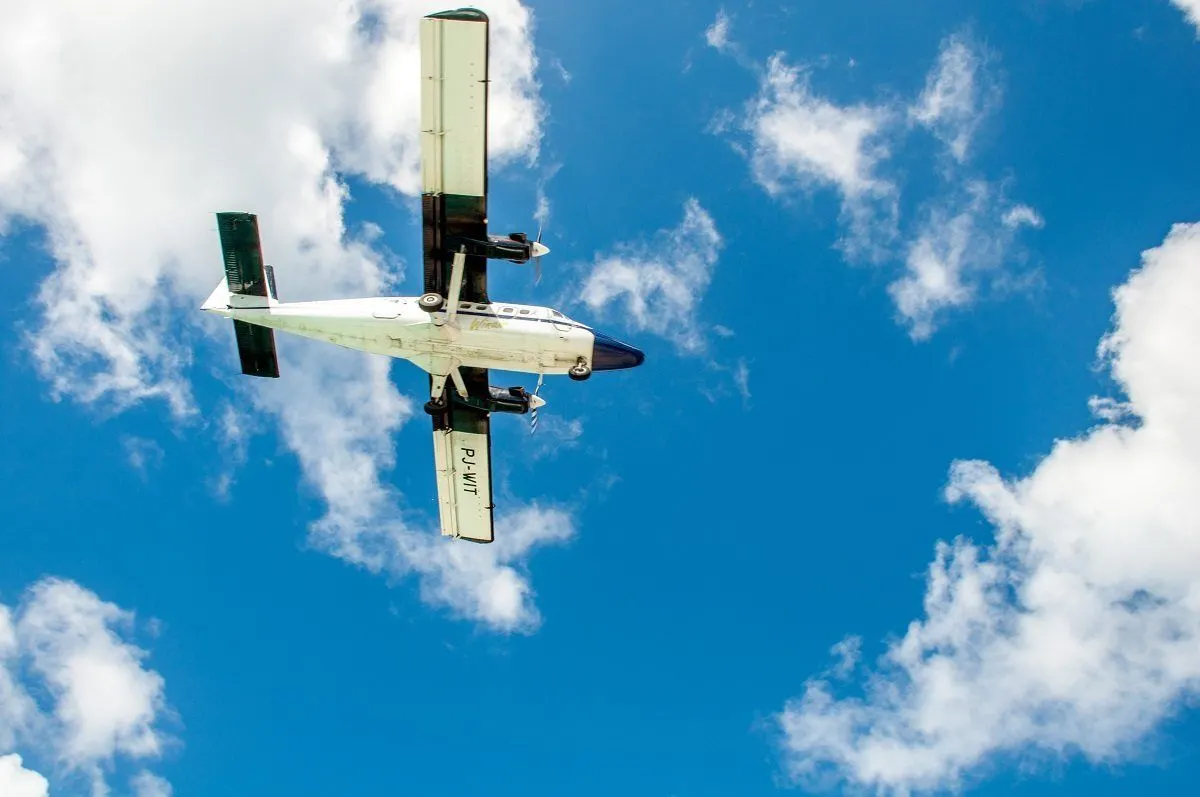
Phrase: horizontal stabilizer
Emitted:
{"points": [[256, 348], [241, 250]]}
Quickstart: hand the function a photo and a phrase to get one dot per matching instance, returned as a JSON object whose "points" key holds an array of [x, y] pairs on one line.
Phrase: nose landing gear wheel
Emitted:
{"points": [[435, 406], [580, 371], [431, 302]]}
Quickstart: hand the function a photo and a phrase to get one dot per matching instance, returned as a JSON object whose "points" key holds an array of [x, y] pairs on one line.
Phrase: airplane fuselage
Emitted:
{"points": [[500, 336]]}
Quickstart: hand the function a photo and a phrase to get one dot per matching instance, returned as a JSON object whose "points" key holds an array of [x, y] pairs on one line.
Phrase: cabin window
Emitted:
{"points": [[507, 310], [525, 312]]}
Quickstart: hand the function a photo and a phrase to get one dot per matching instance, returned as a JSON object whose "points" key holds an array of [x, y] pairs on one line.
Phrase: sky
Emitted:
{"points": [[902, 501]]}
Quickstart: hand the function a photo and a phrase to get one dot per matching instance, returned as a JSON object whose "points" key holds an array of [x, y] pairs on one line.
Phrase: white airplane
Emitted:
{"points": [[454, 331]]}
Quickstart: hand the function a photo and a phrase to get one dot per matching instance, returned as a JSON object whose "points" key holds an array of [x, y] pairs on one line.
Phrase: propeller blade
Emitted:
{"points": [[535, 401]]}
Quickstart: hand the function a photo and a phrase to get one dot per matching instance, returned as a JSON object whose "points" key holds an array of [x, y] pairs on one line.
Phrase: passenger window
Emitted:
{"points": [[507, 310], [524, 312]]}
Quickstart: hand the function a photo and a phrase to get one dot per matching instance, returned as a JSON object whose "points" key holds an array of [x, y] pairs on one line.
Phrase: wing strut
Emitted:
{"points": [[456, 281]]}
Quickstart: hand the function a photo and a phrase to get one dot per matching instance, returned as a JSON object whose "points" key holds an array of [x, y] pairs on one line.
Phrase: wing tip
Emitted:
{"points": [[460, 15]]}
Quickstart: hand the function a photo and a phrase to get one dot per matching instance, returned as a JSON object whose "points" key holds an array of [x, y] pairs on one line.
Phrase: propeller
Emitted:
{"points": [[538, 249], [535, 401]]}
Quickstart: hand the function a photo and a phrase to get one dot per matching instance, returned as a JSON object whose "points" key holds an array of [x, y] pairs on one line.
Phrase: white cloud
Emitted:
{"points": [[800, 137], [487, 583], [16, 781], [101, 702], [741, 379], [717, 34], [18, 712], [956, 97], [1076, 630], [555, 434], [142, 452], [661, 284], [561, 70], [123, 166], [959, 240], [1190, 9], [1023, 215], [147, 784], [800, 141]]}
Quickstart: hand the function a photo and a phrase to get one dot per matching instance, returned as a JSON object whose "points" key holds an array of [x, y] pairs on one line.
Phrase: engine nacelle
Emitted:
{"points": [[515, 247], [514, 400]]}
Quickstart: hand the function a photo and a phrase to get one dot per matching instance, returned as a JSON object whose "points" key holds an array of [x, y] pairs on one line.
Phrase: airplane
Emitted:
{"points": [[454, 331]]}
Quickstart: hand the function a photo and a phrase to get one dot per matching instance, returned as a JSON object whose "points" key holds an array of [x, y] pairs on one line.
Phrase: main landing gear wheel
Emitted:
{"points": [[580, 371], [435, 406], [431, 302]]}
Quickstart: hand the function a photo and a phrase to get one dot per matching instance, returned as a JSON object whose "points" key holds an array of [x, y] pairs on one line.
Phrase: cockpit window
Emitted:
{"points": [[557, 314]]}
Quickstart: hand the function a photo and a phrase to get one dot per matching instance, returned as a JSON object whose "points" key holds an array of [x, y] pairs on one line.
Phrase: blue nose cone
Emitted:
{"points": [[610, 354]]}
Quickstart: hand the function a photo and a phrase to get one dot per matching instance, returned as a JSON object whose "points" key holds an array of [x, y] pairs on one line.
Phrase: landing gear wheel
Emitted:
{"points": [[435, 406], [431, 302], [580, 371]]}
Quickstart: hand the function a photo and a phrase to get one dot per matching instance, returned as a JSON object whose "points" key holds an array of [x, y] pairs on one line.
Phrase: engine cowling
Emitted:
{"points": [[513, 400]]}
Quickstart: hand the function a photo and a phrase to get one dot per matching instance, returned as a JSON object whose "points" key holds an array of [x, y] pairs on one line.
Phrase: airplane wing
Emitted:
{"points": [[250, 284], [454, 105], [462, 457], [454, 96]]}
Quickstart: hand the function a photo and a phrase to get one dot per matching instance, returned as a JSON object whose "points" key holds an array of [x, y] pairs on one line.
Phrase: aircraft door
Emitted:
{"points": [[388, 308]]}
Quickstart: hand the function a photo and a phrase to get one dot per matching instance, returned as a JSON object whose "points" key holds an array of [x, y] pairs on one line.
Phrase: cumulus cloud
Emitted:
{"points": [[659, 285], [124, 127], [957, 96], [96, 702], [1077, 629], [16, 781], [1190, 9]]}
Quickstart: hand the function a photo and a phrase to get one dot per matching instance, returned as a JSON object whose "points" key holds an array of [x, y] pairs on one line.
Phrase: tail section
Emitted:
{"points": [[248, 285]]}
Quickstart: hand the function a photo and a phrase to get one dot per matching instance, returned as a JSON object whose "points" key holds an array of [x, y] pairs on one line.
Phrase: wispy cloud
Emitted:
{"points": [[555, 434], [147, 784], [717, 34], [100, 151], [1074, 631], [961, 241], [73, 688], [741, 378], [800, 141], [958, 95], [659, 285], [143, 454]]}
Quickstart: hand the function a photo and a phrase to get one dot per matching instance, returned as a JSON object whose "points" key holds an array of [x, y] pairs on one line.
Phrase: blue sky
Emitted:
{"points": [[902, 500]]}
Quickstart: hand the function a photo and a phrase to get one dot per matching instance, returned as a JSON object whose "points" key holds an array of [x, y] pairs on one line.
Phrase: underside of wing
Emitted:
{"points": [[454, 104], [462, 454]]}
